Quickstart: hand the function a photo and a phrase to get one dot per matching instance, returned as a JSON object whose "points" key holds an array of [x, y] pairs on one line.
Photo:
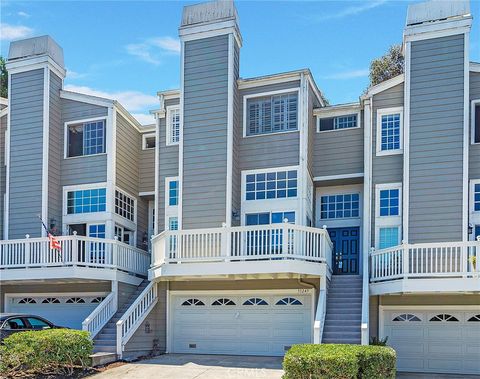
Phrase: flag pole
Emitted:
{"points": [[51, 239]]}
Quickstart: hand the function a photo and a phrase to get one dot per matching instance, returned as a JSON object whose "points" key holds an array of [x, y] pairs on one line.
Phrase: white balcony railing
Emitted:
{"points": [[426, 260], [75, 251], [277, 241]]}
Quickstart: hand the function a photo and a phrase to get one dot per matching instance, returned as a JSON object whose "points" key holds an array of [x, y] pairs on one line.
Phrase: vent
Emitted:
{"points": [[192, 345]]}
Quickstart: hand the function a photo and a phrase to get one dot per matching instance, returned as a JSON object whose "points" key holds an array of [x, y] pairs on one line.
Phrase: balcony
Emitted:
{"points": [[426, 267], [79, 258], [282, 250]]}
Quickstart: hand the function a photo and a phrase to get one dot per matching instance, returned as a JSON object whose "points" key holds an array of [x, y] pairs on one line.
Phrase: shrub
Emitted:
{"points": [[54, 352], [379, 341], [331, 361]]}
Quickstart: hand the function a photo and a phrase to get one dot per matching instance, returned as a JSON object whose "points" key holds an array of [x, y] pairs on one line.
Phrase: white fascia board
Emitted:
{"points": [[207, 30], [169, 94], [83, 98], [418, 286], [269, 80], [474, 66], [437, 29], [28, 64], [337, 177], [383, 86], [337, 110]]}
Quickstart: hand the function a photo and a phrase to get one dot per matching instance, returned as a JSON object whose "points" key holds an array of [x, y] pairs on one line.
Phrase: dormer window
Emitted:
{"points": [[86, 138], [337, 123]]}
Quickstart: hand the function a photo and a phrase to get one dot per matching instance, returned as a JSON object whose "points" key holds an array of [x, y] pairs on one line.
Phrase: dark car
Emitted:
{"points": [[13, 323]]}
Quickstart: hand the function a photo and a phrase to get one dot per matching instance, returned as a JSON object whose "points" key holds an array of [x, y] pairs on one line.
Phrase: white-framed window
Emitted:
{"points": [[96, 230], [271, 185], [349, 121], [474, 205], [388, 215], [173, 125], [124, 205], [475, 121], [87, 200], [149, 141], [337, 206], [270, 112], [267, 218], [389, 131], [172, 191], [85, 137]]}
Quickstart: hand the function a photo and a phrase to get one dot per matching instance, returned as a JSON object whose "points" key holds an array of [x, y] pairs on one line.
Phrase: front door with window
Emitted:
{"points": [[346, 249]]}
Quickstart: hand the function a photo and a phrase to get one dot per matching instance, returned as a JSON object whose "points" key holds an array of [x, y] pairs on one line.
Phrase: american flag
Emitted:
{"points": [[54, 243]]}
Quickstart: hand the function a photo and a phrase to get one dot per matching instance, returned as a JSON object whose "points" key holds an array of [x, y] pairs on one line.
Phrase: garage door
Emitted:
{"points": [[434, 340], [69, 310], [254, 324]]}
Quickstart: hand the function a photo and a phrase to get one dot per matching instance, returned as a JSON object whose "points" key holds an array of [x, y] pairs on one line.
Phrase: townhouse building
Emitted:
{"points": [[252, 215]]}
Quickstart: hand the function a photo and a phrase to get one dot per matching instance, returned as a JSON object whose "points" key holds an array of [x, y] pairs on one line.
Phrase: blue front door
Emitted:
{"points": [[346, 249]]}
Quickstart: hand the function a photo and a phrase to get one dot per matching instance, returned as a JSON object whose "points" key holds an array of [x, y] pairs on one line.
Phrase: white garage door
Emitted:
{"points": [[253, 324], [434, 340], [69, 310]]}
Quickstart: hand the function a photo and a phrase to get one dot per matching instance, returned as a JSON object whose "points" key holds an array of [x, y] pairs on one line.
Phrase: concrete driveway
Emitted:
{"points": [[188, 366]]}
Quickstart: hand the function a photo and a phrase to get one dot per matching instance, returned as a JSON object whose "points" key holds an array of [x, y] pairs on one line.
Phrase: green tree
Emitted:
{"points": [[387, 66], [3, 78]]}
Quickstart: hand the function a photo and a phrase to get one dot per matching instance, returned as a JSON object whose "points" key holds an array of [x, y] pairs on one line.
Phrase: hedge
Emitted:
{"points": [[52, 352], [331, 361]]}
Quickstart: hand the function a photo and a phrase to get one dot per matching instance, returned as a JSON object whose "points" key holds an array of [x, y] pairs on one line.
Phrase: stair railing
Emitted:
{"points": [[320, 316], [135, 315], [100, 316]]}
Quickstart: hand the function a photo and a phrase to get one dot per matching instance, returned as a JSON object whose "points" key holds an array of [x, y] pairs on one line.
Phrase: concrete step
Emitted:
{"points": [[105, 342], [105, 349], [102, 358], [341, 328], [342, 341], [105, 337]]}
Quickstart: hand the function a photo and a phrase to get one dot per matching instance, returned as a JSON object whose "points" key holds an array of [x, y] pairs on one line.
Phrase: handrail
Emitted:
{"points": [[272, 241], [75, 251], [425, 260], [96, 320], [135, 314]]}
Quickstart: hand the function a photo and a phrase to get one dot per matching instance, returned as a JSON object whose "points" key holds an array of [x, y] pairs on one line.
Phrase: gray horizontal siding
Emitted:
{"points": [[236, 174], [129, 144], [146, 170], [205, 132], [3, 128], [385, 169], [88, 169], [265, 151], [168, 167], [26, 119], [436, 140], [474, 167], [142, 222]]}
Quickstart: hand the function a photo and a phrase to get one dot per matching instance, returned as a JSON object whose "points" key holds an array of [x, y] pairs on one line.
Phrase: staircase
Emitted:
{"points": [[344, 310], [105, 342]]}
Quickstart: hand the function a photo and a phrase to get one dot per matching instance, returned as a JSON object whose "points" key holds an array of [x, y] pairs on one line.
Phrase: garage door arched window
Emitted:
{"points": [[193, 303], [255, 301], [444, 317], [223, 301], [474, 318], [27, 300], [75, 300], [51, 300], [406, 317], [97, 300], [289, 301]]}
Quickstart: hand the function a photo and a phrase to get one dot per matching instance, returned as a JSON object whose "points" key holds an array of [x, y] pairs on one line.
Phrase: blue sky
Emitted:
{"points": [[129, 50]]}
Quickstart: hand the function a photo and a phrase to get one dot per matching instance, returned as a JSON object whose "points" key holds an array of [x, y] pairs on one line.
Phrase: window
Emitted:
{"points": [[476, 121], [255, 301], [388, 237], [193, 302], [390, 202], [475, 318], [173, 223], [172, 192], [51, 300], [86, 201], [36, 323], [476, 197], [389, 131], [27, 300], [289, 301], [86, 138], [271, 185], [223, 302], [444, 317], [148, 141], [96, 231], [124, 205], [98, 300], [340, 206], [269, 218], [406, 317], [477, 231], [16, 323], [271, 114], [173, 125], [75, 300], [336, 123]]}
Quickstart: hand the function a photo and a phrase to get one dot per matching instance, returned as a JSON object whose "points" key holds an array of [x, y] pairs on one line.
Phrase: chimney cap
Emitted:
{"points": [[436, 10], [213, 11], [34, 47]]}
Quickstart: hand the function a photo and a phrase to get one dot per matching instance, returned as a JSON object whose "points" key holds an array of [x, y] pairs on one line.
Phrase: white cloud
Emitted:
{"points": [[348, 74], [133, 101], [74, 75], [11, 32], [23, 14], [143, 118], [154, 49], [349, 11]]}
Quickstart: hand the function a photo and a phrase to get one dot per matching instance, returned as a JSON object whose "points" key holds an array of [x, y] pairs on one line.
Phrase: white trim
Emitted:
{"points": [[168, 124], [438, 29], [46, 143], [83, 218], [4, 111], [144, 140], [466, 130], [475, 66], [83, 98], [337, 177], [135, 206], [230, 85], [383, 112], [207, 30], [406, 145], [473, 104], [270, 93], [4, 101], [170, 210], [169, 94], [35, 63], [6, 217], [146, 193], [180, 146], [474, 216], [82, 121], [157, 174], [335, 115], [384, 86], [387, 221]]}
